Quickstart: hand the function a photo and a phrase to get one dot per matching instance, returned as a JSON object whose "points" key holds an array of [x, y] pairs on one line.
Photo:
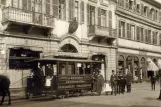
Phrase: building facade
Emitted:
{"points": [[139, 36], [84, 29]]}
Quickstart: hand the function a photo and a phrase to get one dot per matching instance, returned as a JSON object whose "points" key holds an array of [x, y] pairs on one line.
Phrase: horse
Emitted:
{"points": [[4, 88]]}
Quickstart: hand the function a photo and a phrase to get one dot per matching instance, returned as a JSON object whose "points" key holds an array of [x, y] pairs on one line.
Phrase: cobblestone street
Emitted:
{"points": [[141, 96]]}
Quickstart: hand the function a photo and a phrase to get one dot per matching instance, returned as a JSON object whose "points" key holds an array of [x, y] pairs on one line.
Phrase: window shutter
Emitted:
{"points": [[142, 9], [160, 17], [120, 33], [110, 19], [55, 7], [148, 11], [71, 9], [99, 17], [128, 30], [88, 14], [127, 4], [82, 11]]}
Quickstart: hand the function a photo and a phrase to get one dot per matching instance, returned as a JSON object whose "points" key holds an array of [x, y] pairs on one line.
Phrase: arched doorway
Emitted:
{"points": [[101, 66], [143, 68], [121, 64]]}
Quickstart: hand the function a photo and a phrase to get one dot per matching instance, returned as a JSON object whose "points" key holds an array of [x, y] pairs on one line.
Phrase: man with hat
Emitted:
{"points": [[113, 81]]}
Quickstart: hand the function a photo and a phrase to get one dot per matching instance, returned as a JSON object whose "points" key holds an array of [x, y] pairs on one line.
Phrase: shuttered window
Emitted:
{"points": [[127, 4], [99, 17], [15, 3], [62, 9], [128, 31], [48, 10], [82, 11], [55, 7], [71, 9], [110, 19], [76, 10], [121, 29], [90, 15]]}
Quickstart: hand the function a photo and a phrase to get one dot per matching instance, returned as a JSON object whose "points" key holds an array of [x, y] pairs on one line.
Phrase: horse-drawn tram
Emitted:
{"points": [[60, 77]]}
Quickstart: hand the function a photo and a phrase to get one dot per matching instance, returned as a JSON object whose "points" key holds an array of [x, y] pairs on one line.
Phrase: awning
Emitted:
{"points": [[159, 63], [151, 65]]}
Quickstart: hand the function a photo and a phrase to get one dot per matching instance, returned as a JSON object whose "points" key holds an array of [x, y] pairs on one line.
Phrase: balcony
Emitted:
{"points": [[102, 32], [27, 19]]}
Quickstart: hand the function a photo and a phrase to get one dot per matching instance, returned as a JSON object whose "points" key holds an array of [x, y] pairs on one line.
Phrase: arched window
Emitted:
{"points": [[69, 48], [145, 10], [152, 13]]}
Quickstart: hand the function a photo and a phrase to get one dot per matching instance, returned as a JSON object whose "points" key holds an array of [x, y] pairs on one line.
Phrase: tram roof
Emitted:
{"points": [[62, 59]]}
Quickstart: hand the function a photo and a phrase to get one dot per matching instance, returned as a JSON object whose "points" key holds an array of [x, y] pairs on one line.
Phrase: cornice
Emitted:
{"points": [[135, 17]]}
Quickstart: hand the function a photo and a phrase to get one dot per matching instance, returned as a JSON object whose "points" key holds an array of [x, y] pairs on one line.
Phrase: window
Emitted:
{"points": [[26, 4], [71, 9], [138, 33], [121, 3], [82, 12], [121, 29], [131, 4], [91, 15], [101, 17], [62, 9], [142, 34], [76, 10], [145, 11], [127, 4], [55, 8], [142, 9], [128, 31], [16, 3], [149, 36], [146, 35], [133, 32], [155, 37], [138, 8], [48, 8]]}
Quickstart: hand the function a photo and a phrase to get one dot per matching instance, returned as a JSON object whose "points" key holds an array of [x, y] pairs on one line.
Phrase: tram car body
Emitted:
{"points": [[60, 77]]}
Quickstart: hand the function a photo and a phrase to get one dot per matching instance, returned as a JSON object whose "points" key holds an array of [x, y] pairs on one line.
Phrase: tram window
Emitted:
{"points": [[71, 68], [62, 68], [49, 70], [79, 69], [87, 69]]}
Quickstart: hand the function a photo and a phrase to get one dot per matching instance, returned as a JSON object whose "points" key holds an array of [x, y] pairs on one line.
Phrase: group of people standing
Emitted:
{"points": [[119, 81]]}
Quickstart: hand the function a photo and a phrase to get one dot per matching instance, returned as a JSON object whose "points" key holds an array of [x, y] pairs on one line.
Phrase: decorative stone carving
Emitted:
{"points": [[73, 26]]}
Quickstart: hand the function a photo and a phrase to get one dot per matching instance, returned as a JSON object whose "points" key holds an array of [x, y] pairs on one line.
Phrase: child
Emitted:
{"points": [[107, 87]]}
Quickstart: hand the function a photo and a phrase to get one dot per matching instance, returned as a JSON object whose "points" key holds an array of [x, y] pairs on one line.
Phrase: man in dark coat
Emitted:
{"points": [[153, 81], [113, 81], [100, 82], [128, 81]]}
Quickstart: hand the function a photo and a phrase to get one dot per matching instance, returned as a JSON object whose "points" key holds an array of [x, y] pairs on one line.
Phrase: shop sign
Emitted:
{"points": [[66, 54]]}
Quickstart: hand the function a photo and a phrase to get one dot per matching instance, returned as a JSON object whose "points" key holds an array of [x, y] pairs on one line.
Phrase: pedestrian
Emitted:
{"points": [[121, 83], [100, 82], [94, 83], [128, 81], [153, 81], [113, 81], [107, 88]]}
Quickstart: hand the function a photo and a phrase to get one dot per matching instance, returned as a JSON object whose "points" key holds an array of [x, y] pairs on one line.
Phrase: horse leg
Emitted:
{"points": [[2, 99], [9, 97]]}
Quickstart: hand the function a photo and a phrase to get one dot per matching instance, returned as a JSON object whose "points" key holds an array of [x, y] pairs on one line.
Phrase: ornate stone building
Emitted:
{"points": [[84, 29], [139, 35]]}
